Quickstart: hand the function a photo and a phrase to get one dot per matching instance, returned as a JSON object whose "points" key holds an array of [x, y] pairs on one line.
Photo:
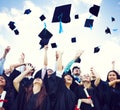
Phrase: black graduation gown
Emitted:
{"points": [[11, 92], [115, 98], [21, 104], [61, 98], [81, 95], [104, 95]]}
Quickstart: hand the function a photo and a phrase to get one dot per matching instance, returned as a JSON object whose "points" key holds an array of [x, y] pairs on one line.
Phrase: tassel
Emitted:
{"points": [[60, 27]]}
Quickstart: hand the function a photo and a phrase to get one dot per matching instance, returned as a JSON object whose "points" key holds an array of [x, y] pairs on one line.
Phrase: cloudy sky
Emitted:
{"points": [[30, 26]]}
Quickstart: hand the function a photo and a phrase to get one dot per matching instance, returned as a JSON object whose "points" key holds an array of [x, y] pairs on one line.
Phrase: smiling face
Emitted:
{"points": [[2, 81], [112, 76], [68, 79], [86, 78]]}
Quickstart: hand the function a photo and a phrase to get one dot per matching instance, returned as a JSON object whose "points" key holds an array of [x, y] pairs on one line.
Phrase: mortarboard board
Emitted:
{"points": [[73, 40], [113, 19], [42, 17], [53, 45], [45, 36], [107, 30], [96, 49], [89, 23], [27, 11], [11, 25], [16, 32], [94, 10], [62, 13], [77, 16]]}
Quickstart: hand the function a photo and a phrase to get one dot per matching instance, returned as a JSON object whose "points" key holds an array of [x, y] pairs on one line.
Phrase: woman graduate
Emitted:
{"points": [[58, 88], [87, 95], [32, 97], [113, 78]]}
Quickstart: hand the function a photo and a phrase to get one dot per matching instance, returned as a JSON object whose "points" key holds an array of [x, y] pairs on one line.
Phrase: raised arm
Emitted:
{"points": [[45, 62], [2, 60], [77, 55], [17, 80]]}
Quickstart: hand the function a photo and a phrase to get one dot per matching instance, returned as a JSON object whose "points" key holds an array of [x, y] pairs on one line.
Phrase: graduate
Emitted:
{"points": [[86, 94], [113, 78], [32, 97]]}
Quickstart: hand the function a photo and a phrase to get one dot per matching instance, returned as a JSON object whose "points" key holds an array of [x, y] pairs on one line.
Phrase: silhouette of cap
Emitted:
{"points": [[107, 30], [73, 40], [45, 36], [94, 10], [27, 11], [96, 49], [53, 45], [11, 25], [89, 23], [62, 13], [42, 17]]}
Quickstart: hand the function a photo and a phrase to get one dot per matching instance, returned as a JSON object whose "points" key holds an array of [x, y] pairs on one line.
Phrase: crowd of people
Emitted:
{"points": [[64, 88]]}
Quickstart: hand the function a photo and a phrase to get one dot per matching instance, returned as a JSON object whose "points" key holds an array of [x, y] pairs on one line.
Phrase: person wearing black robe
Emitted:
{"points": [[32, 97], [113, 78], [89, 100]]}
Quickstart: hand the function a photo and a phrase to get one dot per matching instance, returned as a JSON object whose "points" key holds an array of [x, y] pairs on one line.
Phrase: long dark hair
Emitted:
{"points": [[41, 95], [117, 74]]}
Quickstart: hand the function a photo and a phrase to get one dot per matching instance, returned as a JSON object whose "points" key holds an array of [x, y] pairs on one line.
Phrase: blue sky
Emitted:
{"points": [[30, 26]]}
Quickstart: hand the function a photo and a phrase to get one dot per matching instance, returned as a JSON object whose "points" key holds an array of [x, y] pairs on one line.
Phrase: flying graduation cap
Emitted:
{"points": [[107, 31], [42, 17], [27, 11], [89, 23], [45, 36], [94, 10], [62, 15], [11, 25], [96, 49], [112, 19]]}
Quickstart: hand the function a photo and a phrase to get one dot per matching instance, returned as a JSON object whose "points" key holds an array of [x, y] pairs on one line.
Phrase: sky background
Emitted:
{"points": [[30, 26]]}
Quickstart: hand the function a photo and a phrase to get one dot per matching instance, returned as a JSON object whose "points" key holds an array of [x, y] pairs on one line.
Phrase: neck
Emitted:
{"points": [[87, 84], [1, 90], [36, 88], [68, 86]]}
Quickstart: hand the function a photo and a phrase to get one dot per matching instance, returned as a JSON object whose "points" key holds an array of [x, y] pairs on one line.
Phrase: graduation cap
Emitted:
{"points": [[45, 36], [42, 17], [107, 31], [53, 45], [96, 49], [77, 16], [27, 11], [94, 10], [16, 32], [73, 40], [112, 19], [62, 13], [11, 25], [89, 23]]}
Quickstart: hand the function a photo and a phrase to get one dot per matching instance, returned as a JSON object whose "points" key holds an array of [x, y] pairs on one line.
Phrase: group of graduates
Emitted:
{"points": [[64, 88]]}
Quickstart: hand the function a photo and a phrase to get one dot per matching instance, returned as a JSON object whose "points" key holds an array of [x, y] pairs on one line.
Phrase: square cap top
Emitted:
{"points": [[96, 49], [45, 34], [12, 25], [89, 23], [62, 13], [53, 45], [43, 42], [94, 10], [16, 32], [27, 11], [42, 17], [73, 40]]}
